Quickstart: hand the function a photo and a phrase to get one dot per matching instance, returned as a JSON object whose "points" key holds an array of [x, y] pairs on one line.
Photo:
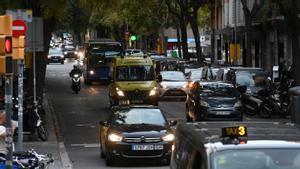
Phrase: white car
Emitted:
{"points": [[174, 85], [56, 55]]}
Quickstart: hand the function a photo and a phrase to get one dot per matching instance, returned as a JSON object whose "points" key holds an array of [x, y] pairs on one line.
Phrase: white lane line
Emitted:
{"points": [[93, 145], [66, 162]]}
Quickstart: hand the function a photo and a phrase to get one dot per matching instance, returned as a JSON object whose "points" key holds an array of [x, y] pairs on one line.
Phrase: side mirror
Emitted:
{"points": [[103, 123], [242, 89], [159, 78], [173, 122]]}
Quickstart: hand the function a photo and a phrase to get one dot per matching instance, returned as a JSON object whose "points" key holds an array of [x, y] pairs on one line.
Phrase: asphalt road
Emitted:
{"points": [[79, 116]]}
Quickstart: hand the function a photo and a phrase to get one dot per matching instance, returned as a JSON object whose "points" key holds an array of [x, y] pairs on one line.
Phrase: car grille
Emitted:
{"points": [[137, 94], [142, 139]]}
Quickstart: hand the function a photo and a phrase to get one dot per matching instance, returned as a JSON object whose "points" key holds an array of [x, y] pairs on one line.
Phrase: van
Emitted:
{"points": [[133, 81]]}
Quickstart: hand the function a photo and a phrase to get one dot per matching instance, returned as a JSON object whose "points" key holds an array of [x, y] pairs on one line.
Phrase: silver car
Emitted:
{"points": [[174, 85]]}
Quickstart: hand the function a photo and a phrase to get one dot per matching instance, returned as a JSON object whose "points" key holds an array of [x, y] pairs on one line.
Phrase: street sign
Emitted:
{"points": [[35, 35], [18, 28]]}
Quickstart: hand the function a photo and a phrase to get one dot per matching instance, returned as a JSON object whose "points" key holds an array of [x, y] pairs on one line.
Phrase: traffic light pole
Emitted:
{"points": [[8, 110], [20, 104]]}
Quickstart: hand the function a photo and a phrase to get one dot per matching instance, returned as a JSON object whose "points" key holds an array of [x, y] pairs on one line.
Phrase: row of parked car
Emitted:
{"points": [[218, 93]]}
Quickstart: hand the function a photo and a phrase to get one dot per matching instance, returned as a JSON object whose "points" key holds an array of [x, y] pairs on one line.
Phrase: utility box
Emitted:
{"points": [[294, 94]]}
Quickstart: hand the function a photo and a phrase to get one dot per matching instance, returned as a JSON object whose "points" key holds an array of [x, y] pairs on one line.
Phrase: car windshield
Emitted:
{"points": [[217, 91], [55, 52], [172, 76], [245, 79], [256, 79], [135, 73], [257, 159], [139, 116]]}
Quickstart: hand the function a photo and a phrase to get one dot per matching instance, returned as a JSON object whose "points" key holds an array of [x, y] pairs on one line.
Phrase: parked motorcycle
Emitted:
{"points": [[76, 83], [275, 102], [36, 120]]}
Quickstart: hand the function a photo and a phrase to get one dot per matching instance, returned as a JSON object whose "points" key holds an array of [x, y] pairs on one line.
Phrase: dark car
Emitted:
{"points": [[213, 101], [69, 51], [136, 132]]}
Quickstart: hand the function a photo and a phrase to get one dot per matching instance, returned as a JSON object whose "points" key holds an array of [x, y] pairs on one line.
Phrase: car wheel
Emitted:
{"points": [[110, 161], [62, 62]]}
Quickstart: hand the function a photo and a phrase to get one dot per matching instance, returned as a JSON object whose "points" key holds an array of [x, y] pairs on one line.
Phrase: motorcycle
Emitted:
{"points": [[275, 102], [76, 83], [36, 120]]}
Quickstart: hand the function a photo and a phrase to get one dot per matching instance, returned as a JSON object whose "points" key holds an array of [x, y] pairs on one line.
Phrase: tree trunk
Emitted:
{"points": [[296, 58], [184, 38], [194, 25], [178, 42], [248, 42]]}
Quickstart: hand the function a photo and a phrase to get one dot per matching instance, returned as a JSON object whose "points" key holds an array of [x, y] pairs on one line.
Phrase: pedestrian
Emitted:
{"points": [[3, 150]]}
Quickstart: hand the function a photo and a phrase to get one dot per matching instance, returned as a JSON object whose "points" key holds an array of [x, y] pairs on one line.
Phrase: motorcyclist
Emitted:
{"points": [[75, 70]]}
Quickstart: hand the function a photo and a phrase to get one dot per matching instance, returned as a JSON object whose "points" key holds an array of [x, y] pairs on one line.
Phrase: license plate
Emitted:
{"points": [[146, 147], [223, 113], [137, 101], [122, 102]]}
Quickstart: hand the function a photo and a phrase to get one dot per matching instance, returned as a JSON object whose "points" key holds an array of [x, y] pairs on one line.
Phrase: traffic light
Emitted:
{"points": [[5, 44], [133, 37], [18, 48]]}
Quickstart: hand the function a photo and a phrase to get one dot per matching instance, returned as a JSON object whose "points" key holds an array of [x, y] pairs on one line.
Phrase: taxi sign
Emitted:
{"points": [[234, 132]]}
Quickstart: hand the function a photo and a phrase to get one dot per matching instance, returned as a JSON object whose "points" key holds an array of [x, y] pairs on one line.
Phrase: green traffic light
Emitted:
{"points": [[133, 37]]}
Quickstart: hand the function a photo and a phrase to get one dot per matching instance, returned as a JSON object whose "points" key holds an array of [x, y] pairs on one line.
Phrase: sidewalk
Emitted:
{"points": [[52, 146]]}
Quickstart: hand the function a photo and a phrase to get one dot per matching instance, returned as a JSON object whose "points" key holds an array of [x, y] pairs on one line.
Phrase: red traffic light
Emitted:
{"points": [[8, 45]]}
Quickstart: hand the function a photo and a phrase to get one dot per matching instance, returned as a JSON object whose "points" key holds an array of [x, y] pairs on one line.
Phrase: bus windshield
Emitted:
{"points": [[101, 54], [135, 73]]}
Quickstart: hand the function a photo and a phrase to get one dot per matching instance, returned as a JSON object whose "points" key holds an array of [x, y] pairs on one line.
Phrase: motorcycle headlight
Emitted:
{"points": [[91, 72], [49, 56], [65, 53], [168, 137], [238, 104], [152, 92], [120, 92], [80, 54], [204, 103], [76, 75], [114, 137]]}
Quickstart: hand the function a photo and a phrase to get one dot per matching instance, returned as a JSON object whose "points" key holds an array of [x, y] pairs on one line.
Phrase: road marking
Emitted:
{"points": [[85, 145], [64, 156]]}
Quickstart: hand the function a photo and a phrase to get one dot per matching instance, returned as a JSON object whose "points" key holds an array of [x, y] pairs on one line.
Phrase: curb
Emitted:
{"points": [[65, 160]]}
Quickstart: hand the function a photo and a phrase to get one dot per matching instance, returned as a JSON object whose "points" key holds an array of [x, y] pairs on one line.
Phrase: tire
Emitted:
{"points": [[265, 110], [110, 161], [62, 62], [42, 132], [76, 91]]}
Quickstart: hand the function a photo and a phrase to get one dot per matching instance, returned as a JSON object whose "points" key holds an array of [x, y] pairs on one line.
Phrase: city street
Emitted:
{"points": [[79, 116]]}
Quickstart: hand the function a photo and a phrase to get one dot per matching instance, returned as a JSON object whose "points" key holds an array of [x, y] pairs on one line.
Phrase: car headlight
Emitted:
{"points": [[114, 137], [120, 92], [185, 85], [76, 52], [49, 56], [168, 137], [152, 92], [204, 103], [80, 54], [91, 72], [65, 53], [238, 104]]}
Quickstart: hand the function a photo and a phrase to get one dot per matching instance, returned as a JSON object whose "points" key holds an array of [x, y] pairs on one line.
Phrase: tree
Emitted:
{"points": [[174, 9], [249, 15], [290, 9]]}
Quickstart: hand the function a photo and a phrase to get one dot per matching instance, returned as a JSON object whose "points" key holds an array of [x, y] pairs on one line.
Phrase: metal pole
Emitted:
{"points": [[20, 103], [8, 110], [34, 65], [235, 33]]}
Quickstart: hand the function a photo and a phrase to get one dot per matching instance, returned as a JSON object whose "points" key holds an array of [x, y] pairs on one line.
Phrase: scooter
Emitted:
{"points": [[36, 120], [76, 83]]}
